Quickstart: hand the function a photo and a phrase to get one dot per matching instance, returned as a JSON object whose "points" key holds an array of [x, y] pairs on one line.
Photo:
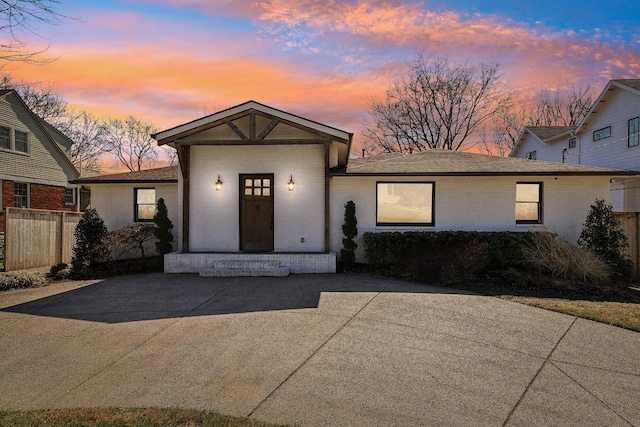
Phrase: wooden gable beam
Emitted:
{"points": [[236, 129], [266, 131]]}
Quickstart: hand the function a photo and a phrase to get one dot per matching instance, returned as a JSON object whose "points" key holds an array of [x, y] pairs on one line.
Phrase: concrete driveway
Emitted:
{"points": [[314, 350]]}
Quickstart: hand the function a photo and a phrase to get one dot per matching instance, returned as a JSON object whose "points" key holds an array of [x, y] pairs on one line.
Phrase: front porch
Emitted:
{"points": [[249, 264]]}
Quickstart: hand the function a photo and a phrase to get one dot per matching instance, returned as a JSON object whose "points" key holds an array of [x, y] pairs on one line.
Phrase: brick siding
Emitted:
{"points": [[47, 197]]}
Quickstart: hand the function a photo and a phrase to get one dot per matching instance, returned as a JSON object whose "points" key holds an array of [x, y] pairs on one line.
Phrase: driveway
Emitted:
{"points": [[314, 350]]}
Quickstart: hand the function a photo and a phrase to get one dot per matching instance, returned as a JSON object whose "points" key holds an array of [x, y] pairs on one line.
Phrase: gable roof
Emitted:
{"points": [[629, 85], [167, 174], [543, 134], [58, 140], [165, 136], [456, 163]]}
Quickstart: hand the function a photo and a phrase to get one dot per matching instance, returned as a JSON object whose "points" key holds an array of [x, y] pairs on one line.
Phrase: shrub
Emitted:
{"points": [[132, 238], [21, 279], [562, 260], [350, 231], [163, 228], [59, 271], [446, 255], [89, 247], [602, 234]]}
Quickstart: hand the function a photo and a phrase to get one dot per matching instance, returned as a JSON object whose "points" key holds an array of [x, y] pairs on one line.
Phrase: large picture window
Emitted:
{"points": [[405, 203], [529, 203], [144, 204]]}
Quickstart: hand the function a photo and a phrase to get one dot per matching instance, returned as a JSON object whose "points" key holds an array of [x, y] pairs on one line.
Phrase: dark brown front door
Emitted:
{"points": [[256, 212]]}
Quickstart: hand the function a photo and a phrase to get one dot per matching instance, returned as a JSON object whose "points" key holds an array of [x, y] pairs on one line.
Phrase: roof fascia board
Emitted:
{"points": [[601, 97], [245, 108]]}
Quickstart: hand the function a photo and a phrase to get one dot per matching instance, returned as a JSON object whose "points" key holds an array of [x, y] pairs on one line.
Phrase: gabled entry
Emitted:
{"points": [[256, 212]]}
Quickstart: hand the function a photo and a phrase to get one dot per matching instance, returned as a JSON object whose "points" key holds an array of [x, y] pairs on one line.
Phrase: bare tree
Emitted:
{"points": [[562, 108], [439, 105], [20, 16], [500, 135], [87, 133], [41, 98], [130, 142]]}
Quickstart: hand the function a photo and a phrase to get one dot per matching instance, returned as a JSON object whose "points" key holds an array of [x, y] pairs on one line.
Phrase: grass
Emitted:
{"points": [[624, 315], [114, 417]]}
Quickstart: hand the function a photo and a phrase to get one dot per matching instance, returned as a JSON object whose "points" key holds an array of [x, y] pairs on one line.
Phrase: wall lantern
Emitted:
{"points": [[219, 184], [291, 185]]}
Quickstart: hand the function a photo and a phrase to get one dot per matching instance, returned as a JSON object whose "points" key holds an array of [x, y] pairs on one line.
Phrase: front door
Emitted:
{"points": [[256, 212]]}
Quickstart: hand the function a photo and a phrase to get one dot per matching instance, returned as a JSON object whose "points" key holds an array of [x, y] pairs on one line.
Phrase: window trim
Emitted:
{"points": [[135, 204], [636, 134], [600, 138], [409, 224], [28, 186], [27, 142], [73, 196], [12, 140], [540, 219]]}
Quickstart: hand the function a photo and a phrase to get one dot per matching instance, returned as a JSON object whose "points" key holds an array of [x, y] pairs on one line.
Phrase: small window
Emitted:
{"points": [[531, 155], [70, 196], [405, 203], [145, 204], [5, 138], [21, 141], [602, 133], [572, 142], [20, 195], [634, 132], [528, 203]]}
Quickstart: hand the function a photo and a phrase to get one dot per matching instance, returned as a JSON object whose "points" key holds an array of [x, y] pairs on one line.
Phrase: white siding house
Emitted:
{"points": [[257, 182], [607, 137]]}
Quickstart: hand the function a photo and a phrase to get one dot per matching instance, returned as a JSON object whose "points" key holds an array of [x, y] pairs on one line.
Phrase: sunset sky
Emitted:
{"points": [[171, 61]]}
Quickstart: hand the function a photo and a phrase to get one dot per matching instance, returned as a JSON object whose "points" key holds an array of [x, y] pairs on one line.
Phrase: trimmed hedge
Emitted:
{"points": [[445, 256]]}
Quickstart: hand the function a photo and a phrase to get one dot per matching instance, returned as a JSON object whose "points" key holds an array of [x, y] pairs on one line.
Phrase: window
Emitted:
{"points": [[405, 203], [144, 204], [5, 138], [572, 143], [20, 195], [531, 155], [528, 203], [634, 135], [601, 133], [21, 141], [70, 196]]}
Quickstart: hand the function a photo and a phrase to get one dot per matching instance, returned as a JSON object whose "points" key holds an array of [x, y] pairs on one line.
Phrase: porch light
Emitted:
{"points": [[219, 184], [291, 185]]}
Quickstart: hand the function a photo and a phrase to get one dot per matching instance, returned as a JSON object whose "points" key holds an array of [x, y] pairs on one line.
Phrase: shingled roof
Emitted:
{"points": [[445, 162], [166, 174]]}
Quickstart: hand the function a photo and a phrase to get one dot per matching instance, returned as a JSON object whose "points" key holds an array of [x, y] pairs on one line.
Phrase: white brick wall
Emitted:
{"points": [[473, 203], [215, 221], [114, 203]]}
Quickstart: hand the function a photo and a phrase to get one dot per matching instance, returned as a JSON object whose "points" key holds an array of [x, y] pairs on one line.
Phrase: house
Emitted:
{"points": [[136, 193], [35, 169], [608, 137], [256, 182]]}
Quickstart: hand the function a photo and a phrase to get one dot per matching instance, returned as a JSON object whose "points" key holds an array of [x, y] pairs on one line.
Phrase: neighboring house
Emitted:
{"points": [[254, 179], [129, 198], [35, 169], [607, 137]]}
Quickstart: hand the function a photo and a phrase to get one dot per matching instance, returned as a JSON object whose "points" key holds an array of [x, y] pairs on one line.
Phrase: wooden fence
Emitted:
{"points": [[38, 238], [630, 222]]}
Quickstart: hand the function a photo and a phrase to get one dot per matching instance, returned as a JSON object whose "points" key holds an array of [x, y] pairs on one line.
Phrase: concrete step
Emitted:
{"points": [[240, 272], [246, 268], [246, 264]]}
